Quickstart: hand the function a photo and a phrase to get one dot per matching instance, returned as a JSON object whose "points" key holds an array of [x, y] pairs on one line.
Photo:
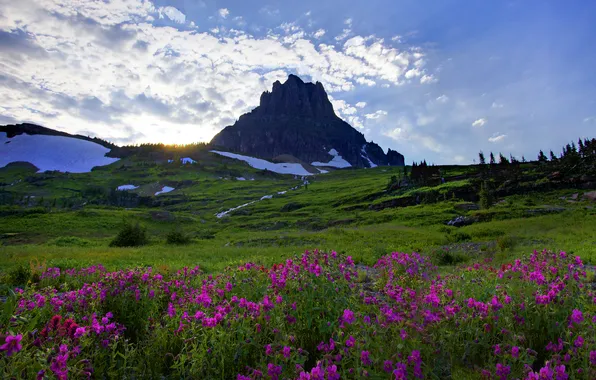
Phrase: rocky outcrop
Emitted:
{"points": [[297, 119]]}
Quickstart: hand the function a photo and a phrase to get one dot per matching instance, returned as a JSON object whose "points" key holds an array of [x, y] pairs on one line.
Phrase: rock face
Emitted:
{"points": [[297, 119]]}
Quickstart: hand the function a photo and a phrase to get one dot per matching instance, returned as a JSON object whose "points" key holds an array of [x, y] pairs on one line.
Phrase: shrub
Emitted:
{"points": [[461, 236], [451, 258], [506, 242], [486, 197], [177, 237], [20, 275], [130, 235], [69, 241]]}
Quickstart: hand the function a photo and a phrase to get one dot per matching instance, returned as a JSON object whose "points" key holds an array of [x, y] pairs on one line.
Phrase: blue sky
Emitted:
{"points": [[436, 80]]}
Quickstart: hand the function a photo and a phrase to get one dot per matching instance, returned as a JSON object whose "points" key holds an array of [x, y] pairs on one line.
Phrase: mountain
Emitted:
{"points": [[297, 119], [48, 149]]}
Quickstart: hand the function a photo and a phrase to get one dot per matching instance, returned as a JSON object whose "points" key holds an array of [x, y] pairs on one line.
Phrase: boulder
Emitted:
{"points": [[591, 196], [467, 207], [461, 221], [291, 206]]}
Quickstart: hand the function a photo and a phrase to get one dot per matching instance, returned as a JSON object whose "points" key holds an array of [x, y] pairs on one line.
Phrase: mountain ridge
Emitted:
{"points": [[297, 118]]}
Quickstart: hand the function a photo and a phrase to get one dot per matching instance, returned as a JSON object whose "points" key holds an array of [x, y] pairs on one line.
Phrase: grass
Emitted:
{"points": [[335, 216]]}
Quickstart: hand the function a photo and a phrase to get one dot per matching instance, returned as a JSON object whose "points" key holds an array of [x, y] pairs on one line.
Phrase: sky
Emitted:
{"points": [[435, 80]]}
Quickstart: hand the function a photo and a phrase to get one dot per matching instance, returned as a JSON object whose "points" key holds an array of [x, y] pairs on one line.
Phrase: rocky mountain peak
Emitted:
{"points": [[295, 98], [296, 118]]}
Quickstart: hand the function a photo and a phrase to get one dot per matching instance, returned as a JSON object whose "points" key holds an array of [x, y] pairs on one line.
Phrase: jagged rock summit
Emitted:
{"points": [[297, 119]]}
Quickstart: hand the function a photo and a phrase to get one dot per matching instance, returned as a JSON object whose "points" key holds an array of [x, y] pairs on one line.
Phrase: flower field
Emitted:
{"points": [[317, 316]]}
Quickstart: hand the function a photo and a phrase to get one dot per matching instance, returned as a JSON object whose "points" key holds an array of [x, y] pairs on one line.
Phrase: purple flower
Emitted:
{"points": [[593, 358], [273, 370], [387, 366], [364, 357], [12, 345], [503, 371], [348, 316], [268, 350], [332, 373], [286, 351], [576, 317], [515, 351], [578, 342], [350, 341]]}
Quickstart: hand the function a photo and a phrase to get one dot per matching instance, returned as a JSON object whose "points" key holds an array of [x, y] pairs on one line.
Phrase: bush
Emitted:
{"points": [[69, 241], [486, 197], [451, 258], [506, 242], [461, 236], [177, 237], [130, 235], [20, 275]]}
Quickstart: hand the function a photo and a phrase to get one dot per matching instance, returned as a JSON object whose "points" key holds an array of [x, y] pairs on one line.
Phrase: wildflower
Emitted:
{"points": [[273, 370], [578, 342], [242, 377], [497, 349], [403, 334], [560, 371], [400, 372], [387, 366], [12, 345], [503, 371], [286, 351], [364, 357], [350, 341], [80, 331], [515, 351], [593, 358], [268, 350], [348, 316], [576, 317], [332, 373]]}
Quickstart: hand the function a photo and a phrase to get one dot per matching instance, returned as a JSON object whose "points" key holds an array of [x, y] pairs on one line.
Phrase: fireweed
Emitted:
{"points": [[307, 318]]}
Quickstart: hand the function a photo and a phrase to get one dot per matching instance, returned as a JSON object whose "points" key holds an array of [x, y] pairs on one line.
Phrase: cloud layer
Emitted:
{"points": [[133, 71]]}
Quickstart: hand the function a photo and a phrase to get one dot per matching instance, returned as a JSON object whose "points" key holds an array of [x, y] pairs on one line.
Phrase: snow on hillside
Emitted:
{"points": [[126, 187], [365, 156], [257, 163], [165, 189], [65, 154], [337, 161], [187, 160]]}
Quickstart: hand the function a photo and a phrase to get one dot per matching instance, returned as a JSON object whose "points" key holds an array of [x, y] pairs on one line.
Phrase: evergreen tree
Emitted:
{"points": [[481, 158], [542, 157], [503, 160], [492, 158], [486, 199]]}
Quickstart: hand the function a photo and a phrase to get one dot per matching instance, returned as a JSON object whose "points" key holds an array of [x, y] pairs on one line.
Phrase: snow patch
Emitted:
{"points": [[165, 189], [187, 160], [257, 163], [266, 197], [126, 187], [323, 171], [337, 161], [281, 192], [365, 156], [224, 213], [65, 154], [240, 179]]}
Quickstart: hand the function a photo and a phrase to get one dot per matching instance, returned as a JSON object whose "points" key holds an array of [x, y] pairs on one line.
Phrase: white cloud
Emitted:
{"points": [[344, 34], [307, 13], [173, 14], [224, 12], [319, 33], [590, 119], [160, 83], [361, 104], [348, 22], [404, 132], [443, 99], [427, 79], [376, 115], [423, 120], [479, 122], [496, 105], [497, 137]]}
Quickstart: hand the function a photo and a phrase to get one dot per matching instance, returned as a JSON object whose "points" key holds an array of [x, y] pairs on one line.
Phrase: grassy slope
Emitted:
{"points": [[334, 215]]}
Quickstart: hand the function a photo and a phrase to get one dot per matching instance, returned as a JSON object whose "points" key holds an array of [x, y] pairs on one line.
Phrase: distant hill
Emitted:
{"points": [[47, 149], [297, 119]]}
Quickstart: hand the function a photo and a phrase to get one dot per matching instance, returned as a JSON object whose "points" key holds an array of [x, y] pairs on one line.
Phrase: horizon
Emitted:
{"points": [[434, 82]]}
